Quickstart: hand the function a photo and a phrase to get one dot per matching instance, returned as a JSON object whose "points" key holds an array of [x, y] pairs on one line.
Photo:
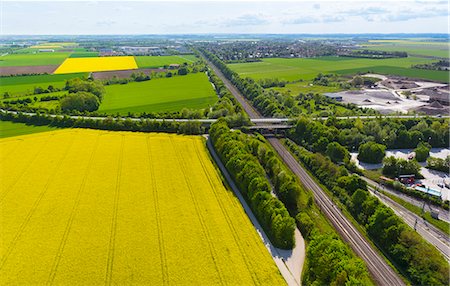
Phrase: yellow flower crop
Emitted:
{"points": [[92, 64], [86, 207]]}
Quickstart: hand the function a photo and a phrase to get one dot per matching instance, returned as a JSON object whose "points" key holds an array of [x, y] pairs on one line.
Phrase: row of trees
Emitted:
{"points": [[251, 179], [438, 164], [401, 244], [351, 133], [143, 125]]}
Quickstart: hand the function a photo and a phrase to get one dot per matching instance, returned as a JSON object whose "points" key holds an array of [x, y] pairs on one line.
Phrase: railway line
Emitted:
{"points": [[381, 272]]}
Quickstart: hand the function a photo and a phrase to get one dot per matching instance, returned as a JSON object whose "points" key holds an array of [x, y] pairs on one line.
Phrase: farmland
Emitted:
{"points": [[94, 207], [10, 129], [422, 48], [36, 59], [91, 64], [21, 85], [160, 61], [306, 69], [166, 94]]}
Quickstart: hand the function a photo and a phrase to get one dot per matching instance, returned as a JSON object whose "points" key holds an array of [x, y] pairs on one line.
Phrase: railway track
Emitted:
{"points": [[381, 272]]}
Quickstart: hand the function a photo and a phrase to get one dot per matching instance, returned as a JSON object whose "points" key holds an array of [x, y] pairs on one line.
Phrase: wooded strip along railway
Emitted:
{"points": [[382, 273]]}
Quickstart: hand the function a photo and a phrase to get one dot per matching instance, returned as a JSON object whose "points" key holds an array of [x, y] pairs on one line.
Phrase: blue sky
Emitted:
{"points": [[185, 17]]}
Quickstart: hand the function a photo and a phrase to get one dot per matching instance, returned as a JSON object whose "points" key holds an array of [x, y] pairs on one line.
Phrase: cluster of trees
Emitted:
{"points": [[439, 164], [394, 167], [392, 133], [226, 106], [251, 178], [270, 82], [143, 125], [84, 95], [375, 54], [333, 263], [422, 151], [441, 65], [371, 152], [359, 81], [401, 244], [135, 77]]}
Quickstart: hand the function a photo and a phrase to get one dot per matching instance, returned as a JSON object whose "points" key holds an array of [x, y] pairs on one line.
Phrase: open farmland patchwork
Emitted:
{"points": [[22, 85], [308, 68], [33, 59], [159, 95], [82, 207], [92, 64]]}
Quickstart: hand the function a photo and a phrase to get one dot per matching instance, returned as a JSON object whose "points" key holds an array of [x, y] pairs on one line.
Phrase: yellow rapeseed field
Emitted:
{"points": [[93, 64], [87, 207]]}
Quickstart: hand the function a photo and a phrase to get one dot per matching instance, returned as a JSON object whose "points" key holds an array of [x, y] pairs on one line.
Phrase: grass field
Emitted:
{"points": [[37, 59], [294, 69], [166, 94], [306, 87], [92, 64], [159, 61], [10, 129], [84, 54], [20, 85], [89, 207], [422, 48]]}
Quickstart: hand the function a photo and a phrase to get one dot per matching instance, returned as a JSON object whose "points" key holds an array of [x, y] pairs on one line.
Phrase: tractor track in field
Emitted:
{"points": [[73, 212], [34, 207], [154, 190], [112, 237], [201, 219], [227, 217], [11, 186]]}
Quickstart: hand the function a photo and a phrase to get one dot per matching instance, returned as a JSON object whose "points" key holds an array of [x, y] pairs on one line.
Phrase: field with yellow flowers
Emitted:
{"points": [[86, 207], [94, 64]]}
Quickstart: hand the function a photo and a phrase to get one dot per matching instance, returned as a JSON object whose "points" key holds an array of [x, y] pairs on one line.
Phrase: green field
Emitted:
{"points": [[84, 54], [20, 85], [307, 69], [434, 49], [38, 59], [306, 87], [10, 129], [51, 104], [160, 61], [167, 94]]}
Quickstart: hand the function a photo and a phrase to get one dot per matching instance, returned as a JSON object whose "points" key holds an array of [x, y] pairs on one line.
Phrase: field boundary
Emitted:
{"points": [[278, 259]]}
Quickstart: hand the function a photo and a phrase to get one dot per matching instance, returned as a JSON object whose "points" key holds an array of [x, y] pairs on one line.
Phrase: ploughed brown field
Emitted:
{"points": [[4, 71], [124, 73]]}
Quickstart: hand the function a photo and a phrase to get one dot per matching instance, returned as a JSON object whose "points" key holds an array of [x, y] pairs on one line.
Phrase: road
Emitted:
{"points": [[382, 273], [443, 214], [430, 233], [289, 262]]}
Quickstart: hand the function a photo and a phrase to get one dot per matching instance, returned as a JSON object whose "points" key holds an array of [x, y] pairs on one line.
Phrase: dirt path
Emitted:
{"points": [[289, 262]]}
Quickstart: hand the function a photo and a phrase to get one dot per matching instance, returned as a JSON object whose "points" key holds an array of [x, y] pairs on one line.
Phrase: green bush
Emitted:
{"points": [[80, 101], [371, 152]]}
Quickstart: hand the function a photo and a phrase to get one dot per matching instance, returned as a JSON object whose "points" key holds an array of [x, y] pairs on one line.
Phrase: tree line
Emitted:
{"points": [[143, 125], [251, 179], [411, 254], [257, 170]]}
